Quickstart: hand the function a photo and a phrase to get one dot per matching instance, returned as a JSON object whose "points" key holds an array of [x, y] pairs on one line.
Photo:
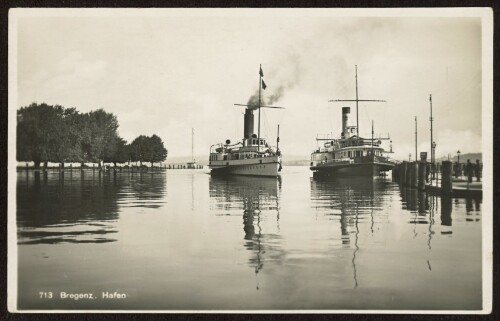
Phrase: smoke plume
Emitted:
{"points": [[279, 78]]}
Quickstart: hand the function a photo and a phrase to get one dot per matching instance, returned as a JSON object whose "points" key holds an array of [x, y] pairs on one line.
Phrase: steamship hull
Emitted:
{"points": [[368, 169], [266, 166]]}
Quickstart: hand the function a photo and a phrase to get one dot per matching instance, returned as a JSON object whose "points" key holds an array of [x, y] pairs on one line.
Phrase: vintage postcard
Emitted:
{"points": [[250, 160]]}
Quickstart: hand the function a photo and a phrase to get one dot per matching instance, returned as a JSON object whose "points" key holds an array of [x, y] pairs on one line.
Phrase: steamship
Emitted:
{"points": [[351, 155], [252, 155]]}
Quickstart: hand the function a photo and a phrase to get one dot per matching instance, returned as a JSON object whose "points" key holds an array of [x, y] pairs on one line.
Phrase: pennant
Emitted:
{"points": [[260, 72], [263, 85]]}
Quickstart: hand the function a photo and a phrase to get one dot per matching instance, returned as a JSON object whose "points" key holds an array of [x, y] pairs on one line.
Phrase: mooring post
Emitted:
{"points": [[469, 171], [402, 179], [422, 175], [414, 175], [446, 178], [478, 171], [409, 175]]}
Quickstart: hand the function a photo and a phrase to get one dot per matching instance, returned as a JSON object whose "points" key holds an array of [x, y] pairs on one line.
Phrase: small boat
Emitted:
{"points": [[351, 155], [252, 155]]}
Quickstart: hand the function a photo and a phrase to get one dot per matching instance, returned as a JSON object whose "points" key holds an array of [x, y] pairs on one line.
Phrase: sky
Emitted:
{"points": [[169, 72]]}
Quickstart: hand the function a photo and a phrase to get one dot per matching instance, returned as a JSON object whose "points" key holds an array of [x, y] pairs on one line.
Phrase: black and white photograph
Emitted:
{"points": [[250, 160]]}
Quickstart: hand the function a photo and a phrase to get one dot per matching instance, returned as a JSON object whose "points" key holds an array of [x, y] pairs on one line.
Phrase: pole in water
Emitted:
{"points": [[416, 132]]}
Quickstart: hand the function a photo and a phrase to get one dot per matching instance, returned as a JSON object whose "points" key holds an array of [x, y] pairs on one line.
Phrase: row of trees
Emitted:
{"points": [[48, 133]]}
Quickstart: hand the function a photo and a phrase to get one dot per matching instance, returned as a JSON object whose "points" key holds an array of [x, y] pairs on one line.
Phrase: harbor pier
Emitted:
{"points": [[445, 179]]}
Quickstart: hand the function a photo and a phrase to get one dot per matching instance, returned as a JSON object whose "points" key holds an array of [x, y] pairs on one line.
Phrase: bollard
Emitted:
{"points": [[446, 178], [422, 175]]}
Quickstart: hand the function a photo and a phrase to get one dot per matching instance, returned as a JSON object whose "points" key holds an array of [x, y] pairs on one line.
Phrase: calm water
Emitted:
{"points": [[184, 240]]}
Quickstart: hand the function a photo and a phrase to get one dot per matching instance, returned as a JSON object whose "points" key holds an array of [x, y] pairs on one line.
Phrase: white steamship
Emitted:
{"points": [[252, 155]]}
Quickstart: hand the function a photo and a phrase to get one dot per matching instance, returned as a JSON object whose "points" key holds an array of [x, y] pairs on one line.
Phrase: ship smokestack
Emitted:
{"points": [[248, 125], [345, 119]]}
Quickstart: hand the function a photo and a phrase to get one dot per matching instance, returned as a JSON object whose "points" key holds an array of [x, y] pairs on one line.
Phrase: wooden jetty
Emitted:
{"points": [[441, 179]]}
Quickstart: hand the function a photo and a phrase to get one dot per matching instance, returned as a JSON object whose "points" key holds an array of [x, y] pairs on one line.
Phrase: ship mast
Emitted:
{"points": [[431, 119], [253, 107], [258, 130], [192, 145], [357, 100], [372, 141]]}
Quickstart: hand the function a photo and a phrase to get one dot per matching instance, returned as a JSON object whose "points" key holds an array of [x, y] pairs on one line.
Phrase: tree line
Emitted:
{"points": [[57, 134]]}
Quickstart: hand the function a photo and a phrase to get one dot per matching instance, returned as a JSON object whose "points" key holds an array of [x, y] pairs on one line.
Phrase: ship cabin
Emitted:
{"points": [[245, 149], [249, 147], [351, 150]]}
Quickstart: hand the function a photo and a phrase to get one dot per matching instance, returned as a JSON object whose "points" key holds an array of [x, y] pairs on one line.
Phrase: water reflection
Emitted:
{"points": [[345, 197], [258, 199], [424, 206], [80, 206], [352, 200]]}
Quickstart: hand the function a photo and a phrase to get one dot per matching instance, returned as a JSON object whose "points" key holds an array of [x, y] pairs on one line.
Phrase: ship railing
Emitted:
{"points": [[339, 160]]}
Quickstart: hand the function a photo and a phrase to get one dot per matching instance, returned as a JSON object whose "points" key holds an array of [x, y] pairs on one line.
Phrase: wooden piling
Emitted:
{"points": [[469, 171], [422, 175], [414, 175], [404, 165], [478, 171], [446, 178], [409, 173]]}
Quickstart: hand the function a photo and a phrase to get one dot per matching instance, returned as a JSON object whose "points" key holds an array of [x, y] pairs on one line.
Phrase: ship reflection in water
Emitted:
{"points": [[353, 198], [350, 200], [258, 199], [80, 206], [244, 243]]}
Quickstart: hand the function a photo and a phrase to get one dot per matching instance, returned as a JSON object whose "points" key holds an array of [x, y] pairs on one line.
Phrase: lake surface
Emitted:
{"points": [[183, 240]]}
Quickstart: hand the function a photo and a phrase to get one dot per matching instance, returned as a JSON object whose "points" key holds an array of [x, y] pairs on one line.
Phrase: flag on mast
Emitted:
{"points": [[260, 72], [263, 85]]}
